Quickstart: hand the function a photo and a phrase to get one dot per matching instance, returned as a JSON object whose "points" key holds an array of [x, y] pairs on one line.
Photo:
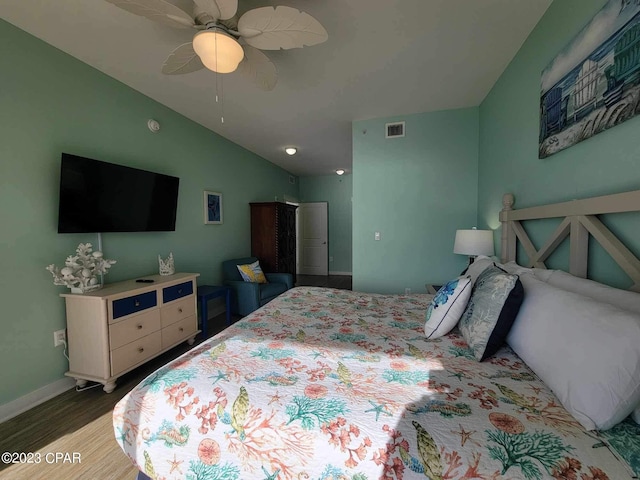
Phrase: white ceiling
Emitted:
{"points": [[383, 58]]}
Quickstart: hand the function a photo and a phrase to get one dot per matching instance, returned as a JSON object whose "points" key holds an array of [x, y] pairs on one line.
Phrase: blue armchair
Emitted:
{"points": [[247, 296]]}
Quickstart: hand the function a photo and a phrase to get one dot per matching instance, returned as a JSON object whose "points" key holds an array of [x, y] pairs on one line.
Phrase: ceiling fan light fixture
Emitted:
{"points": [[340, 171], [291, 150], [219, 51]]}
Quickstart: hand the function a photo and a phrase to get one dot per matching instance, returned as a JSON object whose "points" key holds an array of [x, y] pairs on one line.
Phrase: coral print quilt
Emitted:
{"points": [[325, 384]]}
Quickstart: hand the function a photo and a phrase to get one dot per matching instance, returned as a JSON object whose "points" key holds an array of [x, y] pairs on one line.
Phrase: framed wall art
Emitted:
{"points": [[212, 208], [593, 84]]}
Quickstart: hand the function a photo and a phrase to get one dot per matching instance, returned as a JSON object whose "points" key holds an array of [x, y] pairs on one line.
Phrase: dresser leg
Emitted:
{"points": [[109, 387], [191, 341], [80, 382]]}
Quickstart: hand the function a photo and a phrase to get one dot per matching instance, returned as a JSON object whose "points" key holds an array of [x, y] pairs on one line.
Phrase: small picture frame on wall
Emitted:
{"points": [[212, 208]]}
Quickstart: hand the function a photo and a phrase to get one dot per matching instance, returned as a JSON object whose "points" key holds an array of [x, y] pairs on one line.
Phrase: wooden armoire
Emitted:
{"points": [[273, 236]]}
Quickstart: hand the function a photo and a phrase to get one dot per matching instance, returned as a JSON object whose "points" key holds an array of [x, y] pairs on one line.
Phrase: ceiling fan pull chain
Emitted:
{"points": [[220, 95], [219, 86], [221, 100]]}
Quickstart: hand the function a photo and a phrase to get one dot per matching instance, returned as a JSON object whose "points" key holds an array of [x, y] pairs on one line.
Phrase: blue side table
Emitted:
{"points": [[209, 292]]}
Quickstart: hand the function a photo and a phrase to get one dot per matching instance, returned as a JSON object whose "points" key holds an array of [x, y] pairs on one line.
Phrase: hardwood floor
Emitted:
{"points": [[80, 422], [332, 281]]}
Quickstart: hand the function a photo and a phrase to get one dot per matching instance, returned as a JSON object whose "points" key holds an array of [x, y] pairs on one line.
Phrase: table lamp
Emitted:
{"points": [[474, 242]]}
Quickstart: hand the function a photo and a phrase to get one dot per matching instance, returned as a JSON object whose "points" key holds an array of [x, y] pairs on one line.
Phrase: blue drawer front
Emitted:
{"points": [[129, 305], [177, 291]]}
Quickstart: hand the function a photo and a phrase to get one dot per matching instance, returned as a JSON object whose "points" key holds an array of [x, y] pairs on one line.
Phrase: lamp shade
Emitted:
{"points": [[474, 242], [217, 50]]}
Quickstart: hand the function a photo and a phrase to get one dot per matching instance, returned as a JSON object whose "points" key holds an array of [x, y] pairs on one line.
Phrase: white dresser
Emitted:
{"points": [[121, 326]]}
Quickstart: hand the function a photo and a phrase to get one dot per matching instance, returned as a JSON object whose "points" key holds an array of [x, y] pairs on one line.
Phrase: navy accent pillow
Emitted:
{"points": [[492, 309]]}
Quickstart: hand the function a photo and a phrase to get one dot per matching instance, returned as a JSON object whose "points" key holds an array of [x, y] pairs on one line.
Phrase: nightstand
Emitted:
{"points": [[432, 289], [209, 292]]}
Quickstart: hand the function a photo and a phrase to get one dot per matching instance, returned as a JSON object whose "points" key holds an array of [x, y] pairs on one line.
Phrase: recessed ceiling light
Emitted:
{"points": [[340, 171], [291, 150]]}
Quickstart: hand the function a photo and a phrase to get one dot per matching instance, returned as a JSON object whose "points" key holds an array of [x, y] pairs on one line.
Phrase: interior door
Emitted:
{"points": [[314, 244]]}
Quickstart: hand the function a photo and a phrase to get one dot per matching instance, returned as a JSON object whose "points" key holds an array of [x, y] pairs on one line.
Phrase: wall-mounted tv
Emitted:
{"points": [[102, 197]]}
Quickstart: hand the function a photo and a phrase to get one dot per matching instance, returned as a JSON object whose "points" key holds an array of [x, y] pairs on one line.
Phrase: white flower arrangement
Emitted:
{"points": [[80, 271]]}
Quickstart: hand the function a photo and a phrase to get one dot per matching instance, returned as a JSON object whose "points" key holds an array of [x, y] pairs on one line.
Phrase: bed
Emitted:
{"points": [[331, 384]]}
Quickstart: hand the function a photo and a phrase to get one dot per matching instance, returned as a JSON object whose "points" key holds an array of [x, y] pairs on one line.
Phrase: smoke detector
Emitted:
{"points": [[153, 125]]}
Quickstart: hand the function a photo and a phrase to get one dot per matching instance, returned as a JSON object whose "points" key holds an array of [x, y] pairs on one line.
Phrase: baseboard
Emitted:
{"points": [[30, 400], [340, 273]]}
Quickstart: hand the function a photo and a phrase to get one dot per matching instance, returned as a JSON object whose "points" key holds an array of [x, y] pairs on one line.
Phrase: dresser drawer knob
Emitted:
{"points": [[136, 303], [180, 290], [180, 310], [139, 327], [181, 329], [140, 349]]}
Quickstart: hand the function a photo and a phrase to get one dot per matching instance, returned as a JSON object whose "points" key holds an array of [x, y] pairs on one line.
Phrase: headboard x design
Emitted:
{"points": [[580, 221]]}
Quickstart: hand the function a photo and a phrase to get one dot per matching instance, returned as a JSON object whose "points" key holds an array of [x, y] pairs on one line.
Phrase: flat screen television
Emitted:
{"points": [[102, 197]]}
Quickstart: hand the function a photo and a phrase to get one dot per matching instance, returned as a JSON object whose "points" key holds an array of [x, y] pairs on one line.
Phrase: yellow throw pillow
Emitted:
{"points": [[252, 272]]}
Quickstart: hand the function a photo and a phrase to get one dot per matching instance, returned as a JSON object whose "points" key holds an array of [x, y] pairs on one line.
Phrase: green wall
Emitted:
{"points": [[416, 191], [337, 192], [509, 124], [52, 103]]}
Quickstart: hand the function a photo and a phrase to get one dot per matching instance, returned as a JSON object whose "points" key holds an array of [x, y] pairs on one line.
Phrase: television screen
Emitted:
{"points": [[103, 197]]}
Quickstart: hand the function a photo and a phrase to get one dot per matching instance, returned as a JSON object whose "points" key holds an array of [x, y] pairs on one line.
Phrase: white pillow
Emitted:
{"points": [[480, 264], [604, 293], [624, 299], [585, 351], [447, 306], [515, 269]]}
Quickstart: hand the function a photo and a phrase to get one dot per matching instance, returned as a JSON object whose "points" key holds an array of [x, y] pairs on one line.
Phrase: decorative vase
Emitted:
{"points": [[167, 266]]}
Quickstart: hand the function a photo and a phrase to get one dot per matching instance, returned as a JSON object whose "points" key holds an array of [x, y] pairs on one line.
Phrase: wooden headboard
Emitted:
{"points": [[580, 219]]}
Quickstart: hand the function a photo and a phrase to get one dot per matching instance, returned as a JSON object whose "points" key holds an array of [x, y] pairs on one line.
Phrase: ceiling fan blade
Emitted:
{"points": [[269, 28], [182, 60], [218, 9], [159, 11], [257, 67]]}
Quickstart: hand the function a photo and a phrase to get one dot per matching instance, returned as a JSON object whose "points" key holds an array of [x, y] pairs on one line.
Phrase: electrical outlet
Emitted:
{"points": [[376, 236], [59, 337], [407, 291]]}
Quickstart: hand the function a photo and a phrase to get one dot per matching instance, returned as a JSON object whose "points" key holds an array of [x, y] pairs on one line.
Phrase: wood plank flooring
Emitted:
{"points": [[333, 281], [80, 422]]}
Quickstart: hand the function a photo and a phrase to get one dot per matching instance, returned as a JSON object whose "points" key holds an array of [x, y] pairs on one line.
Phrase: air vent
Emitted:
{"points": [[394, 130], [292, 180]]}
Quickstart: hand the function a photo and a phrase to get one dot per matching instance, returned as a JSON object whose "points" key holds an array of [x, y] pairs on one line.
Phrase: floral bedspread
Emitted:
{"points": [[331, 384]]}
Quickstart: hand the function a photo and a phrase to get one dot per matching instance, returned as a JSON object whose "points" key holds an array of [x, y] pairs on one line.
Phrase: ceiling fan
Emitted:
{"points": [[223, 43]]}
